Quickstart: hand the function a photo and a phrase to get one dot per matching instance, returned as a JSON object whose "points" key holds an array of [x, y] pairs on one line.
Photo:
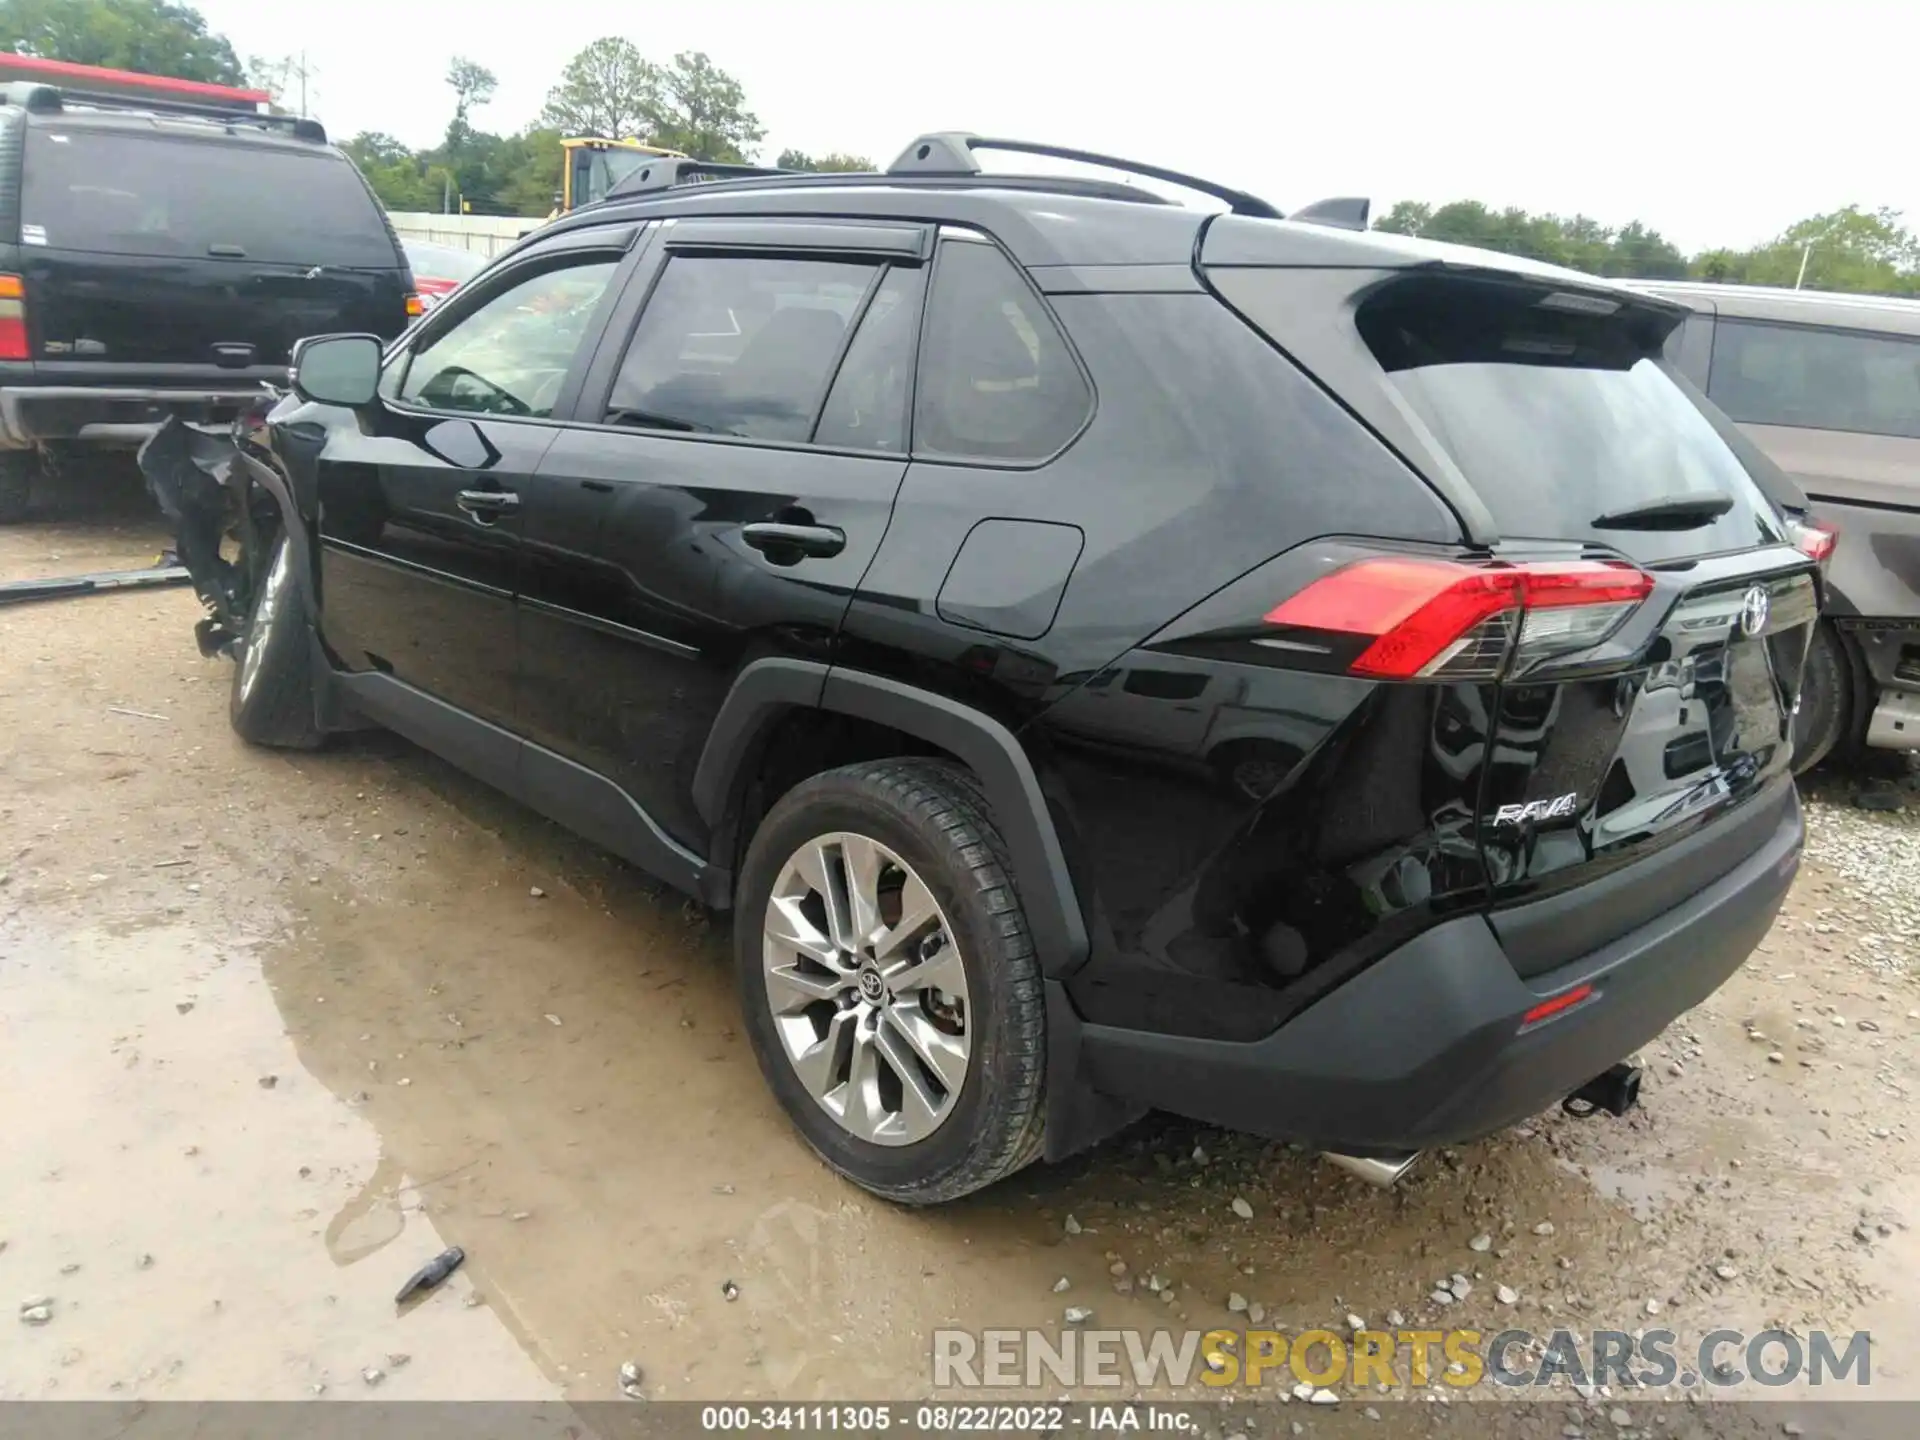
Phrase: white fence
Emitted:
{"points": [[482, 234]]}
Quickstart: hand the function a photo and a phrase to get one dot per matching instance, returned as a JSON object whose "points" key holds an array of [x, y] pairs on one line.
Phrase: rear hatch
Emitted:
{"points": [[1631, 593], [158, 244]]}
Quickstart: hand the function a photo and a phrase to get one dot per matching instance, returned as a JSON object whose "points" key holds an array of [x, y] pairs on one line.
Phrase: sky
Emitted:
{"points": [[1717, 124]]}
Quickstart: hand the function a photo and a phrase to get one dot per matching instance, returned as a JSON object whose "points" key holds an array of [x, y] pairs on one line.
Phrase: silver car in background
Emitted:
{"points": [[1828, 387]]}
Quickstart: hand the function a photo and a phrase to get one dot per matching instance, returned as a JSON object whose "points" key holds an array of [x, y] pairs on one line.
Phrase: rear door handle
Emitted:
{"points": [[487, 506], [786, 544]]}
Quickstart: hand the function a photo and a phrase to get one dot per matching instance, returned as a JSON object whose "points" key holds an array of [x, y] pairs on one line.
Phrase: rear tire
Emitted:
{"points": [[271, 702], [17, 471], [1826, 701], [965, 1125]]}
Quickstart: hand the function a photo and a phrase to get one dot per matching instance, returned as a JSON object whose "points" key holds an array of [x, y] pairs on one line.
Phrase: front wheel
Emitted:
{"points": [[889, 981], [271, 702]]}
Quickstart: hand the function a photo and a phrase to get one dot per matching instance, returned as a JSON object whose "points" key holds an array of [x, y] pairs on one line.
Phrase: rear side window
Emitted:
{"points": [[175, 197], [739, 345], [997, 381], [1558, 416], [1816, 379]]}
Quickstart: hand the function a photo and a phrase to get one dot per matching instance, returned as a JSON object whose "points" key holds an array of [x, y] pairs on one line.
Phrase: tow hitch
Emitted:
{"points": [[1615, 1091]]}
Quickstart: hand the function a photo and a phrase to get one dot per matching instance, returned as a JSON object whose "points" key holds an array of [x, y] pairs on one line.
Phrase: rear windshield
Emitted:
{"points": [[1559, 411], [121, 193]]}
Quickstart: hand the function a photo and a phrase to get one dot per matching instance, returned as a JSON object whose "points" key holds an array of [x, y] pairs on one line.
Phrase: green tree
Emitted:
{"points": [[527, 174], [398, 176], [473, 86], [1852, 249], [835, 162], [701, 110], [1579, 241], [154, 37], [608, 90]]}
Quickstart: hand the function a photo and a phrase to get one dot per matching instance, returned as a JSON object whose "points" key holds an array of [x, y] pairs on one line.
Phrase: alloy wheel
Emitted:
{"points": [[867, 989]]}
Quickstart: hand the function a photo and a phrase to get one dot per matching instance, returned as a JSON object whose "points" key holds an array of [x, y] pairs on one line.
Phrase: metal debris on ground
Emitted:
{"points": [[431, 1273]]}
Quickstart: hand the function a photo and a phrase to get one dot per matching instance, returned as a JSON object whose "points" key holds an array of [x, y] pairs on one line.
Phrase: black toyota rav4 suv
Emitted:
{"points": [[1107, 655]]}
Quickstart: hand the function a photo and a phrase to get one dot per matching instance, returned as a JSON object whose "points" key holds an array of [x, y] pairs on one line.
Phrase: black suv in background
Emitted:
{"points": [[1107, 655], [160, 257]]}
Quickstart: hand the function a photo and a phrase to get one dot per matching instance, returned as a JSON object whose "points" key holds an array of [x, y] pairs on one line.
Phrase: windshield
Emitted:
{"points": [[1558, 417]]}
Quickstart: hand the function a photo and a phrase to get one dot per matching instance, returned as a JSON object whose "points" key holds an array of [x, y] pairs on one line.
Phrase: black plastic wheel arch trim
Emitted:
{"points": [[767, 687]]}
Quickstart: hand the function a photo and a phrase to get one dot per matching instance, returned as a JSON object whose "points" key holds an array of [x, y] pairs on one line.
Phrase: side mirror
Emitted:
{"points": [[337, 369]]}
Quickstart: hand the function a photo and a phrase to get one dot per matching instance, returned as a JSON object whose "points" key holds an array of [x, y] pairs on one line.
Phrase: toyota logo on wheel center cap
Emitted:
{"points": [[871, 987], [1754, 608]]}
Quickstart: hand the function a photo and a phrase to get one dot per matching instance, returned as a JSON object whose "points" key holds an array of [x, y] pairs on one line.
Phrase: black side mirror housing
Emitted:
{"points": [[337, 369]]}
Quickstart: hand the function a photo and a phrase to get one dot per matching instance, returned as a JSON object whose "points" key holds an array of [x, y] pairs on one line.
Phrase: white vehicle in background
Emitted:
{"points": [[438, 270]]}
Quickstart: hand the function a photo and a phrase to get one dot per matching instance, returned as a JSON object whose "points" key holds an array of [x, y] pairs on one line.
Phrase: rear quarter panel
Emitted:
{"points": [[1208, 455]]}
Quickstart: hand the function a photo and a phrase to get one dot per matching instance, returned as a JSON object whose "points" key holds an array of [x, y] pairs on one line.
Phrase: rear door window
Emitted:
{"points": [[1559, 416], [1818, 379], [172, 196], [739, 345], [867, 409]]}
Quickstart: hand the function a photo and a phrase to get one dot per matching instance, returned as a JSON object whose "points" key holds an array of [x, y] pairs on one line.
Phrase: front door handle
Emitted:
{"points": [[787, 544], [487, 506]]}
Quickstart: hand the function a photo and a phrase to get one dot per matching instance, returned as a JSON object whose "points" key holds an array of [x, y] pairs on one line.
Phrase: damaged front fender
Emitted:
{"points": [[224, 521]]}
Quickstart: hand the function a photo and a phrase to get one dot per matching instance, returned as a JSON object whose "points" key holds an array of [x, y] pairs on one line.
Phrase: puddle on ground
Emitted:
{"points": [[170, 1169]]}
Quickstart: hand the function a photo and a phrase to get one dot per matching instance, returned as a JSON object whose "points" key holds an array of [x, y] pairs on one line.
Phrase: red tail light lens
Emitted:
{"points": [[1559, 1004], [1816, 542], [13, 319], [1442, 618]]}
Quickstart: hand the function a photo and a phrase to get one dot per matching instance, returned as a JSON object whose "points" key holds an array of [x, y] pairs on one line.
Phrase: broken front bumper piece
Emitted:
{"points": [[193, 474]]}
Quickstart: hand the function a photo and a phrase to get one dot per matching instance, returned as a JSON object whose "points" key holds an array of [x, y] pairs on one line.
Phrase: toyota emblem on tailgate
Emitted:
{"points": [[1754, 609]]}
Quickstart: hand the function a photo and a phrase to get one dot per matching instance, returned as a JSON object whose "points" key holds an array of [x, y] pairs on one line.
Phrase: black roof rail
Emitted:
{"points": [[950, 152], [45, 99], [1343, 212], [670, 172]]}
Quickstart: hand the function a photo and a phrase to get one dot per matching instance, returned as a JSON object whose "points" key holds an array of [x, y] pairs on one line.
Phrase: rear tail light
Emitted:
{"points": [[1425, 618], [13, 319], [416, 307], [1816, 542]]}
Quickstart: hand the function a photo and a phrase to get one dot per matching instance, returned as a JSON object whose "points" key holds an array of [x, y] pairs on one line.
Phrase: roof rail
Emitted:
{"points": [[950, 152], [1343, 212], [669, 172], [41, 99]]}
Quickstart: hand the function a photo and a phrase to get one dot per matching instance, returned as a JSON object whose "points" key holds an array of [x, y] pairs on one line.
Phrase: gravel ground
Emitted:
{"points": [[275, 1030]]}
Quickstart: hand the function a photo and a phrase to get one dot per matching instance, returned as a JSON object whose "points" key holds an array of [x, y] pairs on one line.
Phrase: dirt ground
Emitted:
{"points": [[274, 1030]]}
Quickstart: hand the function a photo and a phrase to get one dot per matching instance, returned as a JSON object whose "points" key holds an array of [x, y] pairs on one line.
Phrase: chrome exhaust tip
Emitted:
{"points": [[1375, 1172]]}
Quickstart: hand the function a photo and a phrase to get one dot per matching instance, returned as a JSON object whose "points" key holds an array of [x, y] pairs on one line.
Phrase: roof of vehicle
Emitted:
{"points": [[1063, 220], [193, 116], [1052, 219], [1888, 314], [239, 131]]}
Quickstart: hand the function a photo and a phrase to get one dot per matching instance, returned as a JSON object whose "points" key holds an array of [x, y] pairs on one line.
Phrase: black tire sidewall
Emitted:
{"points": [[836, 802], [17, 470], [1825, 698]]}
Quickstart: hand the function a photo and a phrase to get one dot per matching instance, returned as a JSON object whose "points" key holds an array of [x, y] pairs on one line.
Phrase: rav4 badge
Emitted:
{"points": [[1557, 808]]}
